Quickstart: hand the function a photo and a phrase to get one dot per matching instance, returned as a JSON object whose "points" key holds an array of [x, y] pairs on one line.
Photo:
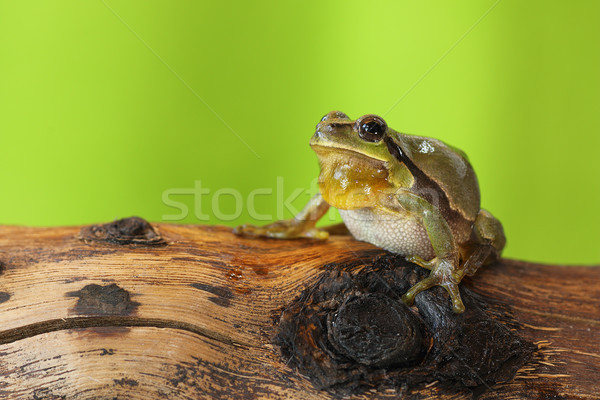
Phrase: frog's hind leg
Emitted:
{"points": [[485, 247], [487, 242], [452, 260]]}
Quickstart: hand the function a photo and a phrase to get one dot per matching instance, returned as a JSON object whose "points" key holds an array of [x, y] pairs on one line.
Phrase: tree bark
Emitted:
{"points": [[187, 312]]}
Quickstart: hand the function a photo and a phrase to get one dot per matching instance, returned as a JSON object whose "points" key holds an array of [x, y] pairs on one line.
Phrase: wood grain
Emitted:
{"points": [[198, 319]]}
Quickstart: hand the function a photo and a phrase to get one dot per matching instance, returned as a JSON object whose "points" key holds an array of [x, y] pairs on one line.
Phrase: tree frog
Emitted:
{"points": [[411, 195]]}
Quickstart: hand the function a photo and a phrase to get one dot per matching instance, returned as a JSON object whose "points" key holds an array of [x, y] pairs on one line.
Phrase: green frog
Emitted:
{"points": [[411, 195]]}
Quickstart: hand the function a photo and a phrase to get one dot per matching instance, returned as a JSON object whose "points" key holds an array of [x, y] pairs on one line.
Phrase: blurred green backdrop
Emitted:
{"points": [[109, 108]]}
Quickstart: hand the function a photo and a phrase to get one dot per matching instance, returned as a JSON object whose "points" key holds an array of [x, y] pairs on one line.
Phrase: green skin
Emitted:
{"points": [[414, 180]]}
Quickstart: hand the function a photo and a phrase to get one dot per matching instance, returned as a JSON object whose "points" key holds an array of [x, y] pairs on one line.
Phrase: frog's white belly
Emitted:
{"points": [[391, 231]]}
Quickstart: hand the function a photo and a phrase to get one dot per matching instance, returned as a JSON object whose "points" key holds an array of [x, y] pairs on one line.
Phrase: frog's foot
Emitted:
{"points": [[444, 274], [286, 229]]}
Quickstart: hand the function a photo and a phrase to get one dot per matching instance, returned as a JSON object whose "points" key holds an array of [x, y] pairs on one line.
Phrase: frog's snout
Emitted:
{"points": [[331, 128], [334, 115], [332, 121]]}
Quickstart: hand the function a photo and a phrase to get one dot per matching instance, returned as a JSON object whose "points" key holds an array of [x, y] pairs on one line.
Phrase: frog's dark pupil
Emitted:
{"points": [[372, 127]]}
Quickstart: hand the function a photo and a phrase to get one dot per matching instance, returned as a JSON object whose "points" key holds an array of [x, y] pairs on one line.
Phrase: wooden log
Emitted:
{"points": [[131, 311]]}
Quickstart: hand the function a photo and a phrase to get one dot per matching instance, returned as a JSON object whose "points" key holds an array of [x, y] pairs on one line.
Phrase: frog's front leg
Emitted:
{"points": [[301, 226], [445, 266]]}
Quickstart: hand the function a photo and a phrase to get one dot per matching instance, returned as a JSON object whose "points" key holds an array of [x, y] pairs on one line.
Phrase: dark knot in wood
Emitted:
{"points": [[132, 230], [103, 300], [375, 330], [350, 331]]}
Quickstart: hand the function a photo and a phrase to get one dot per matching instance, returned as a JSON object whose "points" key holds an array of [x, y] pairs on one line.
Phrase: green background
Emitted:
{"points": [[108, 106]]}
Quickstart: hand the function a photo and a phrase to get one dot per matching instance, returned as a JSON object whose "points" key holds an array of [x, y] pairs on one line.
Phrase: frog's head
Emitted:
{"points": [[357, 158], [337, 133]]}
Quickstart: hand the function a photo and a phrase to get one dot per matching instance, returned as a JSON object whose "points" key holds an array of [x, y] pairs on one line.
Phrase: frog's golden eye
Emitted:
{"points": [[371, 128]]}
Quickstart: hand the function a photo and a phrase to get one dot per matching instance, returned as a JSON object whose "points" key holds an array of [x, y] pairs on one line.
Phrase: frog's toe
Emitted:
{"points": [[316, 234], [245, 230], [259, 231], [437, 279], [409, 297], [457, 304], [281, 230], [421, 262]]}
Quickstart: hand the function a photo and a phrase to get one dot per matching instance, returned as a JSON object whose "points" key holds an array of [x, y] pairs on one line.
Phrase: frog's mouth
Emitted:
{"points": [[327, 150], [338, 155]]}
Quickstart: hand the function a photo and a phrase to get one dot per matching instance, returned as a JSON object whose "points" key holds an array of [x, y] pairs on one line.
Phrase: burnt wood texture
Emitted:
{"points": [[134, 310]]}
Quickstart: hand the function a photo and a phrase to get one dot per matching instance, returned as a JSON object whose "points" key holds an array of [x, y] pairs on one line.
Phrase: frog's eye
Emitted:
{"points": [[371, 128]]}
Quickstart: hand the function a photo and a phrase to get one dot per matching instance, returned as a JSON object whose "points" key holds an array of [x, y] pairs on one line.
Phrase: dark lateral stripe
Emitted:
{"points": [[421, 179], [396, 151]]}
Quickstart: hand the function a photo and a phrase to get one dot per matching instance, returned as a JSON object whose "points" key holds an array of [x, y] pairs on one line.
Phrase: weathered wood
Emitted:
{"points": [[88, 319]]}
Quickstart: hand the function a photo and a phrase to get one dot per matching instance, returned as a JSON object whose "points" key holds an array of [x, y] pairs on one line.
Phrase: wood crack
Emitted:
{"points": [[40, 328]]}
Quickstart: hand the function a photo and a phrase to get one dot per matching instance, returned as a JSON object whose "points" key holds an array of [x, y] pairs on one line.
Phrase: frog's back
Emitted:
{"points": [[441, 169]]}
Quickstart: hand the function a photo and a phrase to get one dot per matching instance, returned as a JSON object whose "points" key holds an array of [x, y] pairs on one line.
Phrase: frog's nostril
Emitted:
{"points": [[335, 115]]}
